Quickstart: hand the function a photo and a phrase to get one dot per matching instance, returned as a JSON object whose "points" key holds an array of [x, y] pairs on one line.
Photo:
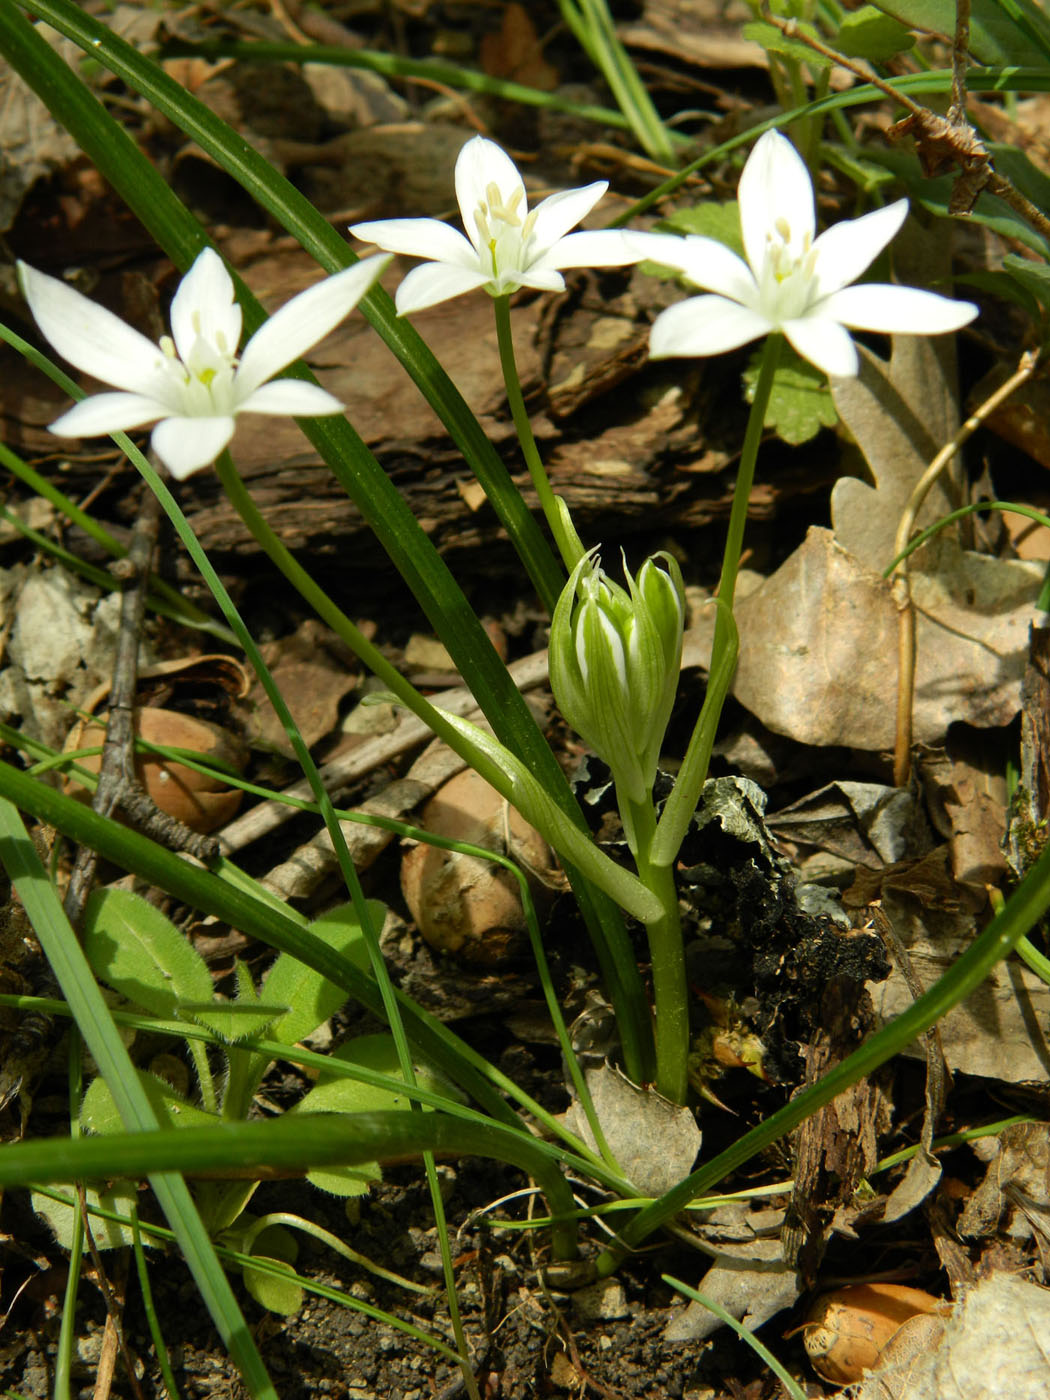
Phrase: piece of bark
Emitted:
{"points": [[836, 1146]]}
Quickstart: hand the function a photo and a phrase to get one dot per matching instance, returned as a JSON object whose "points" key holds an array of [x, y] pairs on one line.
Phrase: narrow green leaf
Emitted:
{"points": [[1001, 31], [22, 863]]}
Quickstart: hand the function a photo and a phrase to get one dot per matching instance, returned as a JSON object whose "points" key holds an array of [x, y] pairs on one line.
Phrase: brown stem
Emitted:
{"points": [[902, 584]]}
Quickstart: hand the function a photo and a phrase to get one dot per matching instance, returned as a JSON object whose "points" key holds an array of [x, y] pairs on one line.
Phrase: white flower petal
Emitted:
{"points": [[707, 263], [825, 343], [706, 325], [204, 308], [878, 307], [293, 397], [541, 279], [560, 212], [602, 248], [482, 163], [433, 282], [108, 413], [89, 336], [419, 238], [845, 250], [775, 185], [302, 322], [185, 445]]}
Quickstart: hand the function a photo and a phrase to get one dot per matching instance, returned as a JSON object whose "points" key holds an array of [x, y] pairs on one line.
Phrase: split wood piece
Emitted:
{"points": [[838, 1146], [337, 776], [301, 875]]}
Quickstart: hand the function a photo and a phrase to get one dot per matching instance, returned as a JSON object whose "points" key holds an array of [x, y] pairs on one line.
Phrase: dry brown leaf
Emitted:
{"points": [[996, 1344], [818, 646], [655, 1141], [998, 1032]]}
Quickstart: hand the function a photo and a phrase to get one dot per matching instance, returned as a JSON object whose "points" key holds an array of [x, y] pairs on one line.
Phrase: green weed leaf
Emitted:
{"points": [[800, 404], [107, 1234], [711, 219], [867, 33], [137, 951], [311, 997], [99, 1114]]}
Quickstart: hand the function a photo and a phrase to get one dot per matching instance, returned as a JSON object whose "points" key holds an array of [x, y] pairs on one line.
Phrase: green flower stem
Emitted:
{"points": [[680, 806], [741, 496], [670, 992], [568, 545], [689, 781]]}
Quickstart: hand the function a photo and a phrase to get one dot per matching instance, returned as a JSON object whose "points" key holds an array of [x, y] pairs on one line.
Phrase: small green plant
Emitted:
{"points": [[138, 953]]}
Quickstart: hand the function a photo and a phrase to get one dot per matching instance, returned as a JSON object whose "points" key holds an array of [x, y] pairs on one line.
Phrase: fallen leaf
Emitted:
{"points": [[655, 1141], [818, 646]]}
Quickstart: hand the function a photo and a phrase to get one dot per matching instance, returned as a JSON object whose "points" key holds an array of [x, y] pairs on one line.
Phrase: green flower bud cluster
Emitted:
{"points": [[615, 655]]}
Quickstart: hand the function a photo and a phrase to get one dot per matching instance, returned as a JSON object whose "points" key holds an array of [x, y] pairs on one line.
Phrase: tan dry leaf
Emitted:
{"points": [[997, 1343], [818, 652], [655, 1141]]}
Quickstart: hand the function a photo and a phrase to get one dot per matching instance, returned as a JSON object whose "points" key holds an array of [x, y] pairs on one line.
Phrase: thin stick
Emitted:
{"points": [[939, 139], [901, 578], [960, 47]]}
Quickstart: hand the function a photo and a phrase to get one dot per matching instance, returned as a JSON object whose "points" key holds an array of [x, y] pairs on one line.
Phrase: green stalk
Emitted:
{"points": [[295, 1142], [670, 991], [592, 25], [682, 803], [564, 836], [568, 545], [745, 478], [160, 1351], [431, 71]]}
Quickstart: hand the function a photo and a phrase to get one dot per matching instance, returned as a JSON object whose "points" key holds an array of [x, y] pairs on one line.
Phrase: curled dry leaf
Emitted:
{"points": [[202, 803], [847, 1330], [463, 904]]}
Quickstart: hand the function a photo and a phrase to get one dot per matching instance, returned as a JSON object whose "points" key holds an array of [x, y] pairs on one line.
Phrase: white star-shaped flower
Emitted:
{"points": [[792, 281], [193, 381], [507, 245]]}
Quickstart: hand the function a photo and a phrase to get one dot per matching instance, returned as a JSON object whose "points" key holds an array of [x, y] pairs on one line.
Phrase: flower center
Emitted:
{"points": [[501, 228], [788, 276], [204, 379]]}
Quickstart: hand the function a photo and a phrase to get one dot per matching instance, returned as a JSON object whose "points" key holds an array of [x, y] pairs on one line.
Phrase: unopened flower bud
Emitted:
{"points": [[615, 655]]}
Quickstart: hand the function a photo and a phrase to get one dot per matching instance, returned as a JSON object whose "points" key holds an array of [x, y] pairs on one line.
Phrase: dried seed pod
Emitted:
{"points": [[462, 904], [847, 1330], [202, 803]]}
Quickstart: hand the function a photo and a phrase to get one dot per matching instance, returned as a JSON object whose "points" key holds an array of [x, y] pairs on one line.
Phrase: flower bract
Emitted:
{"points": [[615, 655], [506, 245], [793, 281], [193, 381]]}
